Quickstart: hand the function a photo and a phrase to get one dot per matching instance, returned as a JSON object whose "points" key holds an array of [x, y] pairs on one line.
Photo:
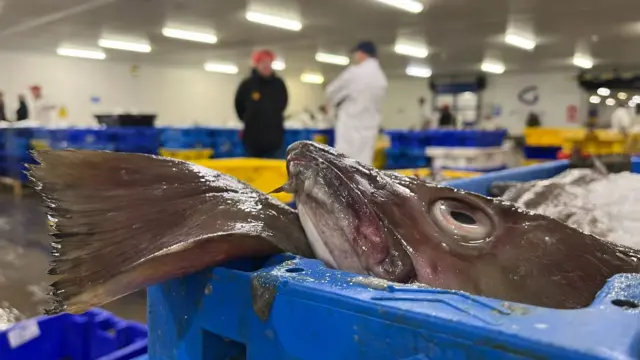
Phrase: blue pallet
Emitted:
{"points": [[541, 152], [292, 308], [94, 335]]}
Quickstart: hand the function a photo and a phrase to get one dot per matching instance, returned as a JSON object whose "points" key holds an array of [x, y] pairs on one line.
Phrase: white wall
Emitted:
{"points": [[401, 108], [178, 96], [556, 90], [188, 96]]}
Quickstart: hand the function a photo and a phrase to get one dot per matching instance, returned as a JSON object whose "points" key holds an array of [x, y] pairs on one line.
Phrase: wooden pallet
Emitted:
{"points": [[16, 184]]}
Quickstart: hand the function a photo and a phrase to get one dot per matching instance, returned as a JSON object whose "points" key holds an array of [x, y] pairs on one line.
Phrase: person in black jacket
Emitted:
{"points": [[3, 115], [260, 103], [447, 120], [23, 110]]}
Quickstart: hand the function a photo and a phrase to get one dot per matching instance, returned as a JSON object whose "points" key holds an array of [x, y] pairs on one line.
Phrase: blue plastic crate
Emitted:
{"points": [[541, 152], [135, 139], [94, 335], [405, 158], [291, 308]]}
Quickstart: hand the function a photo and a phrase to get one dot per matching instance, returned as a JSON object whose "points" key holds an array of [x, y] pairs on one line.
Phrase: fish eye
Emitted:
{"points": [[464, 221]]}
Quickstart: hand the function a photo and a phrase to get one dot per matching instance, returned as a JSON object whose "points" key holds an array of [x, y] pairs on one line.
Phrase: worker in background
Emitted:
{"points": [[23, 110], [621, 120], [426, 118], [358, 94], [260, 103], [42, 109], [447, 120], [533, 120], [3, 115]]}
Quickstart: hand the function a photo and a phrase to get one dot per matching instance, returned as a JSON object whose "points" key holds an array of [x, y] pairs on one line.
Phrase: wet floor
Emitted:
{"points": [[24, 259]]}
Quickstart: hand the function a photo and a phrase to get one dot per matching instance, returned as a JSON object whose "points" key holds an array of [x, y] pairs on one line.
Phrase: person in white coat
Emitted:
{"points": [[621, 120], [358, 94], [42, 108]]}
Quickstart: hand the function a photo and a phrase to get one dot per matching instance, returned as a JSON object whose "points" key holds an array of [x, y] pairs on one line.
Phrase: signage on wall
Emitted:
{"points": [[572, 113], [529, 95]]}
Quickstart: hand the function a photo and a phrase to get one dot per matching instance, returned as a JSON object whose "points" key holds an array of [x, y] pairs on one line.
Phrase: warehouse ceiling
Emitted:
{"points": [[459, 33]]}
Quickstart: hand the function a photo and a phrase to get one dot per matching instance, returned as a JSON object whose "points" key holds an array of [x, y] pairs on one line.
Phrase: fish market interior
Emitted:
{"points": [[405, 179]]}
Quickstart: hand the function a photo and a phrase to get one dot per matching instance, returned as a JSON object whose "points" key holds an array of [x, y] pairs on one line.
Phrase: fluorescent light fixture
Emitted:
{"points": [[623, 95], [202, 37], [81, 53], [595, 99], [610, 102], [124, 45], [412, 6], [273, 20], [582, 61], [224, 68], [603, 91], [312, 78], [520, 41], [278, 65], [418, 71], [411, 50], [492, 67], [332, 59]]}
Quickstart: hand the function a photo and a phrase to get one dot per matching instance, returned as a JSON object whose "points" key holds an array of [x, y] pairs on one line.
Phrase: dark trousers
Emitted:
{"points": [[254, 153]]}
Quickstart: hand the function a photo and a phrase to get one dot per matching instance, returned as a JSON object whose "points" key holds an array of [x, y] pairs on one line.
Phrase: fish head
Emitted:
{"points": [[402, 229]]}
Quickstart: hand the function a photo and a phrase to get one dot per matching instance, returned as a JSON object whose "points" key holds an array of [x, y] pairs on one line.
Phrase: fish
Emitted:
{"points": [[401, 229], [122, 222]]}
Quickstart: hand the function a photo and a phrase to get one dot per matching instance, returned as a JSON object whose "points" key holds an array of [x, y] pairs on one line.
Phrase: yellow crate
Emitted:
{"points": [[263, 174], [452, 174], [599, 142], [40, 145], [187, 154], [548, 136]]}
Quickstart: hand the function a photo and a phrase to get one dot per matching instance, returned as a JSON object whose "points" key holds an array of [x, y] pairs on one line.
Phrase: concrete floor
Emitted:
{"points": [[24, 261]]}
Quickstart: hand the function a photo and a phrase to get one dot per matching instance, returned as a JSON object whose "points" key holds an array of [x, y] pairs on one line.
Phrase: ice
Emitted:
{"points": [[605, 206]]}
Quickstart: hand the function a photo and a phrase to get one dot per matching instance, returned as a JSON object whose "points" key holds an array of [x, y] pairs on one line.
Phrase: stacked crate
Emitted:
{"points": [[407, 149], [467, 150]]}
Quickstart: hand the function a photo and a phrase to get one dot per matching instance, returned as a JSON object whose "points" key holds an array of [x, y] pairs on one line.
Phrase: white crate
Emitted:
{"points": [[466, 157]]}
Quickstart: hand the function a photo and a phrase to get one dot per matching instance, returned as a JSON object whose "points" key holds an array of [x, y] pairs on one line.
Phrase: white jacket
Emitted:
{"points": [[621, 119], [358, 93]]}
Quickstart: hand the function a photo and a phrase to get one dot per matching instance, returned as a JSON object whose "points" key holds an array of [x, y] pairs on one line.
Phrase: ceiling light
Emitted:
{"points": [[582, 61], [418, 71], [81, 53], [492, 67], [603, 91], [622, 96], [272, 20], [520, 41], [332, 59], [412, 6], [221, 68], [278, 65], [636, 98], [610, 102], [632, 103], [411, 50], [124, 45], [312, 78], [595, 99], [202, 37]]}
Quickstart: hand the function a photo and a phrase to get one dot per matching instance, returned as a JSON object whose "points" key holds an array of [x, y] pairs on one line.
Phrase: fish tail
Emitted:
{"points": [[123, 222]]}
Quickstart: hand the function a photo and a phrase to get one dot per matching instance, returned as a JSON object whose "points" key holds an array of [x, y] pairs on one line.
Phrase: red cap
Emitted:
{"points": [[262, 55]]}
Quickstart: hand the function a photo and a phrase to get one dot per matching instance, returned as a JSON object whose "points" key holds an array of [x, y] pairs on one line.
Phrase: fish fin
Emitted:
{"points": [[117, 215], [77, 294], [285, 188]]}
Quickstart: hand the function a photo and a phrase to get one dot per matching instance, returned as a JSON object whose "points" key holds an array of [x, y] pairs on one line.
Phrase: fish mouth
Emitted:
{"points": [[333, 195]]}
